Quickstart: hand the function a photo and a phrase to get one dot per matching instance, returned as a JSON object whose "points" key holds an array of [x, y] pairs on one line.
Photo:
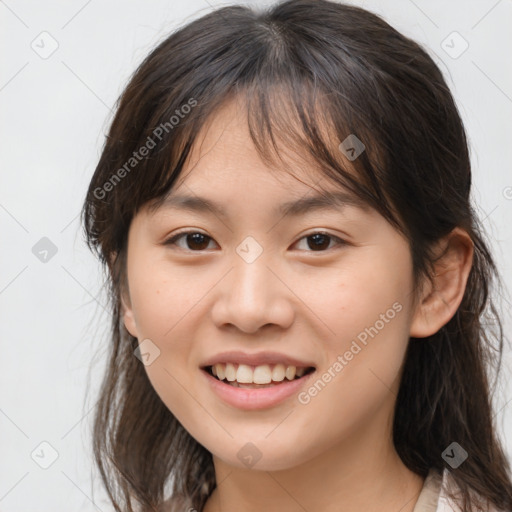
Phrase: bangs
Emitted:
{"points": [[293, 128], [305, 104]]}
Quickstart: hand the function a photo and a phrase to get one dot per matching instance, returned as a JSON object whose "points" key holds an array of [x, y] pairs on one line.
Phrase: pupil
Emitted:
{"points": [[195, 238], [318, 237]]}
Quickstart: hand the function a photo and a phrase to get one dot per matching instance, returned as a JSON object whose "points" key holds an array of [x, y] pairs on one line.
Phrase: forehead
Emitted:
{"points": [[227, 138], [224, 161]]}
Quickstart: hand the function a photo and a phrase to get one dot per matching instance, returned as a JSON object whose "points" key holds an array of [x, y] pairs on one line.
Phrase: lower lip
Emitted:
{"points": [[251, 399]]}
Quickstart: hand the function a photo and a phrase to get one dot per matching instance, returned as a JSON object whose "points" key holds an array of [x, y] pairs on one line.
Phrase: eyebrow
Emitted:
{"points": [[323, 201]]}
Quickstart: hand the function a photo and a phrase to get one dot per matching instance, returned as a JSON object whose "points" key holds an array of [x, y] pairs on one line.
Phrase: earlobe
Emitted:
{"points": [[128, 318], [442, 297], [126, 308]]}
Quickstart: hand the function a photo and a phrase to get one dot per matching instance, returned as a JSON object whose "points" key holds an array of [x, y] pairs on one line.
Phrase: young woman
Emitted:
{"points": [[298, 281]]}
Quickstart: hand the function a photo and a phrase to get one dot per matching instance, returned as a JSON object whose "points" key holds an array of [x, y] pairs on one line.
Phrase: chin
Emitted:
{"points": [[262, 455]]}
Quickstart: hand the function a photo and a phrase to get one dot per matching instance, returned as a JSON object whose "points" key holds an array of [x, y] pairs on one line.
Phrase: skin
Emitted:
{"points": [[336, 449]]}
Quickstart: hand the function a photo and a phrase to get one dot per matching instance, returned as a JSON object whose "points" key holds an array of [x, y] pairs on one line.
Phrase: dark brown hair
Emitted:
{"points": [[301, 66]]}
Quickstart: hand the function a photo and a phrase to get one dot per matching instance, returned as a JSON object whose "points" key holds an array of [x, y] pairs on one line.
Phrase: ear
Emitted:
{"points": [[128, 317], [441, 298], [126, 307]]}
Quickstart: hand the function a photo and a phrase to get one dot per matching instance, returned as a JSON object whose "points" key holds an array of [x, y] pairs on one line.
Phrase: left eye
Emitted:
{"points": [[320, 240], [197, 241]]}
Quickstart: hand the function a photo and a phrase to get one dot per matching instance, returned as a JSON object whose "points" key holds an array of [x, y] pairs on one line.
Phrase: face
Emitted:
{"points": [[323, 289]]}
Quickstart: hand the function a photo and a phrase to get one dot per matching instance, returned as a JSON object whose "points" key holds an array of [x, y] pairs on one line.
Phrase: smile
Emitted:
{"points": [[256, 387], [254, 377]]}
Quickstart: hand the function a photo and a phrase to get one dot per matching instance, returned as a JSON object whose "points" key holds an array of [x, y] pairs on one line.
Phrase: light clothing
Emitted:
{"points": [[433, 496]]}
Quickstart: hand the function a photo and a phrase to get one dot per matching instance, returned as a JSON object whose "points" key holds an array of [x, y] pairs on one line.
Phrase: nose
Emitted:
{"points": [[253, 295]]}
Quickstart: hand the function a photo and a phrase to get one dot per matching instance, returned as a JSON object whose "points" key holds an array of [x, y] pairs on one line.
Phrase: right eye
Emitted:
{"points": [[195, 240]]}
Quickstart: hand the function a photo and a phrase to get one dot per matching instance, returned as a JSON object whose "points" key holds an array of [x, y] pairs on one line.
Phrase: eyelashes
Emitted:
{"points": [[198, 238], [173, 240]]}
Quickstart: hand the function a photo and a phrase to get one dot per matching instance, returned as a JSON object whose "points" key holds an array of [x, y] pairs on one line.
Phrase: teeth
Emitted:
{"points": [[263, 374], [278, 372], [220, 370], [244, 374], [230, 372], [290, 372]]}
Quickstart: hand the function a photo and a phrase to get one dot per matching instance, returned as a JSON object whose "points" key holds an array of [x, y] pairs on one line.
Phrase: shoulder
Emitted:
{"points": [[445, 504], [440, 493]]}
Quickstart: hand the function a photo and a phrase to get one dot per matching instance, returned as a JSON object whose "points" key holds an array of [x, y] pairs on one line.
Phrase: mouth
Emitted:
{"points": [[257, 377]]}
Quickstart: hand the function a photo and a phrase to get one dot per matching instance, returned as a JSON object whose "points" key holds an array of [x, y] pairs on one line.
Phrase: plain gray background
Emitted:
{"points": [[55, 110]]}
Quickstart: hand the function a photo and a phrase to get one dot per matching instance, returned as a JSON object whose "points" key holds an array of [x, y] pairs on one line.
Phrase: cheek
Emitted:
{"points": [[368, 319], [357, 389], [161, 299], [166, 307], [362, 291]]}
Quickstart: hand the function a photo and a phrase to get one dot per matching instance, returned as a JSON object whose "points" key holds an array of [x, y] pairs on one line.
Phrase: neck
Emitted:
{"points": [[360, 473]]}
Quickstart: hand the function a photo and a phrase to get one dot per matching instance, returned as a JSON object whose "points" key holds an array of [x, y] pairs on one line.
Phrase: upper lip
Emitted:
{"points": [[256, 359]]}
